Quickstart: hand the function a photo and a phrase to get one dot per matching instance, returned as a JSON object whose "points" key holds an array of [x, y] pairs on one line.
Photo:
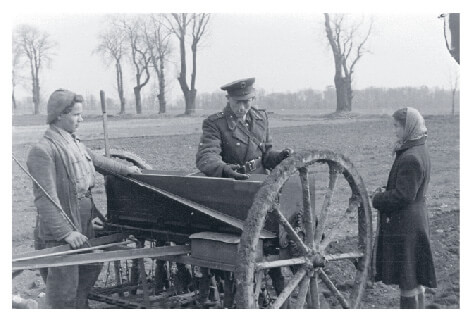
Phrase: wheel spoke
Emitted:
{"points": [[289, 229], [343, 256], [314, 291], [338, 225], [333, 233], [280, 263], [330, 285], [333, 176], [308, 209], [284, 295], [303, 289]]}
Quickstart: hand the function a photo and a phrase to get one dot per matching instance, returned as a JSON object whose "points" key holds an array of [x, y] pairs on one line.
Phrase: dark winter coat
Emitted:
{"points": [[404, 254], [227, 141]]}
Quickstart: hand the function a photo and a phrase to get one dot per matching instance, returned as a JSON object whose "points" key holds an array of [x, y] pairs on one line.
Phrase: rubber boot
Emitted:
{"points": [[160, 277], [421, 297], [88, 274], [228, 290], [409, 302], [203, 286]]}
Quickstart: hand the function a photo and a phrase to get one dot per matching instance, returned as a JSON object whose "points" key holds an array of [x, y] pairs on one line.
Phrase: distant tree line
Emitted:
{"points": [[368, 99], [372, 99]]}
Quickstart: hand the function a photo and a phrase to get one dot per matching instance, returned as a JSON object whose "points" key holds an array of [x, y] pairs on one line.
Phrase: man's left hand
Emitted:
{"points": [[97, 223], [285, 153]]}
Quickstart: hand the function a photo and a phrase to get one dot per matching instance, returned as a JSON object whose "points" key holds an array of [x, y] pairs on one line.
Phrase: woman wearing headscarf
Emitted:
{"points": [[404, 255], [65, 169]]}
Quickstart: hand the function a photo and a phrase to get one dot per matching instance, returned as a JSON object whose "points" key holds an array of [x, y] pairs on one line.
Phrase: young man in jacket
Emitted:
{"points": [[65, 169]]}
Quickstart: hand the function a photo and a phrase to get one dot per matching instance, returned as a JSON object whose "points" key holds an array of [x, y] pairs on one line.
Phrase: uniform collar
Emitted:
{"points": [[255, 114], [232, 119]]}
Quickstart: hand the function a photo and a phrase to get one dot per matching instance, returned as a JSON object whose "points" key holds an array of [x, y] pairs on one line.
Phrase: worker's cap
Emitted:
{"points": [[240, 89], [59, 101]]}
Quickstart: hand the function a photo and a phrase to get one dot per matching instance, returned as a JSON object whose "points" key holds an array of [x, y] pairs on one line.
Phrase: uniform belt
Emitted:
{"points": [[250, 166]]}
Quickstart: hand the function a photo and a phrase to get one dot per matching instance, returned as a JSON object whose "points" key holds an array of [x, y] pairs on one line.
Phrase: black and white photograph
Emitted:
{"points": [[202, 157]]}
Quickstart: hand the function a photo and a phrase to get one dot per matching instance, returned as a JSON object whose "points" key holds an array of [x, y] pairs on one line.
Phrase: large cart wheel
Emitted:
{"points": [[331, 249]]}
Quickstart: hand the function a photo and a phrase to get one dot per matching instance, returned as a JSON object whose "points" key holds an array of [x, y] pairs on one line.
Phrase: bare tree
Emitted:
{"points": [[38, 47], [112, 48], [454, 82], [158, 38], [179, 24], [348, 46], [17, 55], [140, 57]]}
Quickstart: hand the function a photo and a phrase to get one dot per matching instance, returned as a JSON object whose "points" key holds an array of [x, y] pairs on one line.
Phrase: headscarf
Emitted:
{"points": [[414, 128], [415, 125]]}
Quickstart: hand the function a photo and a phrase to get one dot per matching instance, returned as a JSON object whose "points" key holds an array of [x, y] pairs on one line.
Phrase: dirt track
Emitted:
{"points": [[365, 141]]}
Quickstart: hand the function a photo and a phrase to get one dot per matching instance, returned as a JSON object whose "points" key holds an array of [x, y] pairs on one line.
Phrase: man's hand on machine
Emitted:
{"points": [[285, 153], [229, 171], [133, 170], [75, 239], [97, 223]]}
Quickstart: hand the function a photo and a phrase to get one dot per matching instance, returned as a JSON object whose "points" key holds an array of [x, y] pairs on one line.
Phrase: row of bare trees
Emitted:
{"points": [[146, 40], [143, 41]]}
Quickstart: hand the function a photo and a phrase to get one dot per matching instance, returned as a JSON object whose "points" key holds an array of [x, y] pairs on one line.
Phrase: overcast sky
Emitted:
{"points": [[285, 52]]}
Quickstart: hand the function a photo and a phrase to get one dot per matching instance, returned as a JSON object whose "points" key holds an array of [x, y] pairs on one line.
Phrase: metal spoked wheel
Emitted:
{"points": [[330, 249]]}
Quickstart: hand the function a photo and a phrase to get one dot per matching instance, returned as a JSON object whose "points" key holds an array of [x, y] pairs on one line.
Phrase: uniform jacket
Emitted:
{"points": [[404, 254], [50, 165], [227, 141]]}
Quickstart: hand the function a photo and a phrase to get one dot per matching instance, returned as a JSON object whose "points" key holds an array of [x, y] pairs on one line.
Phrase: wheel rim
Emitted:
{"points": [[330, 260]]}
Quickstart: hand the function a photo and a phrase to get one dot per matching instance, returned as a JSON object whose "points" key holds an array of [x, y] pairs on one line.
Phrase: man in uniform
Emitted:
{"points": [[236, 142]]}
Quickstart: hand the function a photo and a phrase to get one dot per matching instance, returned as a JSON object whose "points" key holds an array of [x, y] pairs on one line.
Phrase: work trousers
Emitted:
{"points": [[67, 287]]}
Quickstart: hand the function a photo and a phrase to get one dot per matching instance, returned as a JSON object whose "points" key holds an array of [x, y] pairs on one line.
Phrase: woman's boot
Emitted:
{"points": [[421, 297]]}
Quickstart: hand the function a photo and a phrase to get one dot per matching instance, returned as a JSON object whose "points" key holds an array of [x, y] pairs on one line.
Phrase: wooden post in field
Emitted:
{"points": [[116, 264], [105, 122]]}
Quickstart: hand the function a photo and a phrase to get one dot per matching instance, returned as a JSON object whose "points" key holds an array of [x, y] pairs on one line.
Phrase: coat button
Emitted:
{"points": [[237, 144]]}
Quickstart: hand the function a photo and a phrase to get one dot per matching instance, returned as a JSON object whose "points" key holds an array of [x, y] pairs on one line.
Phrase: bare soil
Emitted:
{"points": [[365, 140]]}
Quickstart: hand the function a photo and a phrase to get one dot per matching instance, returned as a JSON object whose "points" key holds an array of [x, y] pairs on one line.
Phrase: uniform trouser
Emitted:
{"points": [[67, 287]]}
